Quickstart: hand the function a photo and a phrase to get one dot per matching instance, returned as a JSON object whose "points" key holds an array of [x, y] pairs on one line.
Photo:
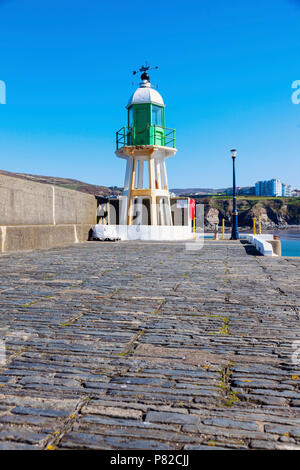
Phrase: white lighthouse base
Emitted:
{"points": [[144, 232]]}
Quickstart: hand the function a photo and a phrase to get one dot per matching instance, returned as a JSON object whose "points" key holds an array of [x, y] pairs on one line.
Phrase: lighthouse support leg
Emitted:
{"points": [[124, 197], [132, 185], [127, 175], [153, 209], [168, 212], [157, 175], [164, 175], [140, 185], [164, 183], [141, 174]]}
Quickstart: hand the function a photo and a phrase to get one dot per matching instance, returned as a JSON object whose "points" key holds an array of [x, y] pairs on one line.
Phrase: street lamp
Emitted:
{"points": [[235, 227]]}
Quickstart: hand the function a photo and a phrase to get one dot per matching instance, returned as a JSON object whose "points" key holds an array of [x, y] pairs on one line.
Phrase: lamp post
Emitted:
{"points": [[235, 227]]}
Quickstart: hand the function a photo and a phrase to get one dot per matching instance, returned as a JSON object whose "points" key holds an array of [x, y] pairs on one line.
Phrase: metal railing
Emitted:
{"points": [[121, 137], [168, 136], [158, 135]]}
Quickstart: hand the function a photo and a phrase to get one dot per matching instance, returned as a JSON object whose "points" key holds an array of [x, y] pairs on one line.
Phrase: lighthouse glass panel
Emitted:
{"points": [[156, 116], [130, 117]]}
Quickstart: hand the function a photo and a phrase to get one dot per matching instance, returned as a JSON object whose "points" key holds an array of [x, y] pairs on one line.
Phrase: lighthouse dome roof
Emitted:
{"points": [[145, 94]]}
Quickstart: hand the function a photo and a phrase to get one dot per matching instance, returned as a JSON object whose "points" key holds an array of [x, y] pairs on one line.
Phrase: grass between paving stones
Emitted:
{"points": [[36, 301], [72, 320], [48, 276], [224, 330], [227, 397], [130, 347], [104, 272], [52, 441], [155, 311]]}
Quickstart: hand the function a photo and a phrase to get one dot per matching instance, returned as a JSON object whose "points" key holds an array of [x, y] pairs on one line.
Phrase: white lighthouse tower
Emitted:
{"points": [[145, 143]]}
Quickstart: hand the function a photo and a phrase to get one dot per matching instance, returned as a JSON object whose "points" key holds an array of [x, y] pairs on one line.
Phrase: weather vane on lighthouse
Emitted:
{"points": [[144, 69], [145, 141]]}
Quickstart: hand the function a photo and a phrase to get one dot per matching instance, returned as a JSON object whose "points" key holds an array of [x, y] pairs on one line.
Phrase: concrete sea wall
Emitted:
{"points": [[263, 244], [36, 215]]}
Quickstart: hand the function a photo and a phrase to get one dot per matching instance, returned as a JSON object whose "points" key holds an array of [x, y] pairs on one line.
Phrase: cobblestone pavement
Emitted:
{"points": [[149, 346]]}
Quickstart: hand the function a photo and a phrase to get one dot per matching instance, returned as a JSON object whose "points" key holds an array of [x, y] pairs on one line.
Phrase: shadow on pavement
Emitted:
{"points": [[250, 249]]}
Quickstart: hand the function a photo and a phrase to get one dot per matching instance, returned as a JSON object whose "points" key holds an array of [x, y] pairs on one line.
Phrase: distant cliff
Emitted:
{"points": [[274, 212]]}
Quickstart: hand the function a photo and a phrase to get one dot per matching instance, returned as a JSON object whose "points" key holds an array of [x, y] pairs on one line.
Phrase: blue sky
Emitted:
{"points": [[225, 73]]}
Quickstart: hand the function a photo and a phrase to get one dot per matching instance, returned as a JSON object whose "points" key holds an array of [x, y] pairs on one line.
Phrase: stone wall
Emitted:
{"points": [[35, 215]]}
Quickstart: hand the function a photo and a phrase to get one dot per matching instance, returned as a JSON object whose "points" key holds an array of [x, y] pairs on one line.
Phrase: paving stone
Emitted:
{"points": [[294, 432], [265, 445], [295, 403], [223, 422], [226, 433], [39, 411], [212, 446], [178, 418], [113, 411], [10, 445], [21, 435], [124, 422], [29, 420], [91, 441]]}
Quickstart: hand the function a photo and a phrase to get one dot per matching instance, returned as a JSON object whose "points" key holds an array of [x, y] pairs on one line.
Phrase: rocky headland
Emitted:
{"points": [[274, 212]]}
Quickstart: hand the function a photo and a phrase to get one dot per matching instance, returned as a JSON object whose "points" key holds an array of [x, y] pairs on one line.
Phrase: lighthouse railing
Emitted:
{"points": [[159, 135], [168, 136], [121, 137]]}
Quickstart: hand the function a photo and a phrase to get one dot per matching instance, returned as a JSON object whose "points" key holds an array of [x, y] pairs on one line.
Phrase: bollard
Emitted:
{"points": [[254, 226], [276, 245], [223, 229], [259, 225], [194, 228]]}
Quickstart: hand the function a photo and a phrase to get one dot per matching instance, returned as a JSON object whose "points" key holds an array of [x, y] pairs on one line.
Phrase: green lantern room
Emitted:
{"points": [[146, 119]]}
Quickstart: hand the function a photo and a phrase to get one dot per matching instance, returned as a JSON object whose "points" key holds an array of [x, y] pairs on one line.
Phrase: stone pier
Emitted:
{"points": [[143, 345]]}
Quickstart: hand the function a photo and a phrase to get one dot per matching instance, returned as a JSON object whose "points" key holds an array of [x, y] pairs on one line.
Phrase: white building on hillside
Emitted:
{"points": [[273, 187]]}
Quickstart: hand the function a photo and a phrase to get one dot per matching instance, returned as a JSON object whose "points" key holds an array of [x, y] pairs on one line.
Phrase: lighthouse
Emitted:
{"points": [[145, 143]]}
